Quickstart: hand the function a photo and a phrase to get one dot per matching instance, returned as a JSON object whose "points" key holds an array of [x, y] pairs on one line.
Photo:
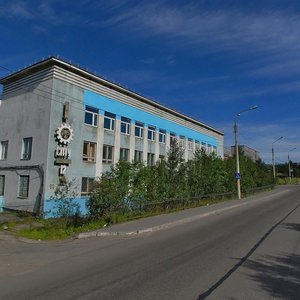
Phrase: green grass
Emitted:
{"points": [[59, 229]]}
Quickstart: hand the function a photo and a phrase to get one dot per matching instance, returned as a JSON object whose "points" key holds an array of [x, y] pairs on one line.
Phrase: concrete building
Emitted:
{"points": [[60, 121], [248, 152]]}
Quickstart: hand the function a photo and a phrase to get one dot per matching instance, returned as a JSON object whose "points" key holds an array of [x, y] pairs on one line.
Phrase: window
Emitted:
{"points": [[124, 154], [150, 159], [91, 115], [182, 141], [3, 150], [203, 146], [2, 183], [23, 186], [151, 133], [139, 129], [87, 185], [26, 148], [109, 121], [197, 145], [208, 148], [162, 136], [190, 144], [138, 156], [89, 151], [107, 154], [125, 125], [214, 149], [172, 137]]}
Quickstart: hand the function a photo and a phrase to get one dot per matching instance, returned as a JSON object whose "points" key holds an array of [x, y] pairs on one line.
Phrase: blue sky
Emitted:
{"points": [[208, 58]]}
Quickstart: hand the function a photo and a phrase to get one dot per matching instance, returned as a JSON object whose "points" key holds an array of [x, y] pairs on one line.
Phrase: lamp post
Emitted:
{"points": [[238, 175], [273, 156], [290, 175]]}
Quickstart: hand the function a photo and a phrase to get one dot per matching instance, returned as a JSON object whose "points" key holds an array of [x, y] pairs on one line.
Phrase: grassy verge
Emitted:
{"points": [[58, 229]]}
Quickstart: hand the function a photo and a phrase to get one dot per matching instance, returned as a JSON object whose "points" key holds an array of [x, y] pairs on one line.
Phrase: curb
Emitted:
{"points": [[100, 233]]}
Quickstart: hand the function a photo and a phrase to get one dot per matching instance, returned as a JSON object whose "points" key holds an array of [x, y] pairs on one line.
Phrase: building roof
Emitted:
{"points": [[54, 61]]}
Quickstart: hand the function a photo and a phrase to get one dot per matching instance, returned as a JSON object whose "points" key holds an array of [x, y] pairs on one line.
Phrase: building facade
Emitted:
{"points": [[58, 122]]}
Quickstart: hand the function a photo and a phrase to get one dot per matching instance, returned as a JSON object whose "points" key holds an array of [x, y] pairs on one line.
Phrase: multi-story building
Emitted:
{"points": [[60, 121], [247, 151]]}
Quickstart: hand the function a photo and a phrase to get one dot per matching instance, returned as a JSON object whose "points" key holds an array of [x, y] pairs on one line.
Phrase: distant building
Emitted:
{"points": [[60, 121], [248, 152]]}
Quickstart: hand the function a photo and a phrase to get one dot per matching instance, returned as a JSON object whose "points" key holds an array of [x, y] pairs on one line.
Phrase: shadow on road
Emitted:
{"points": [[278, 275], [294, 226]]}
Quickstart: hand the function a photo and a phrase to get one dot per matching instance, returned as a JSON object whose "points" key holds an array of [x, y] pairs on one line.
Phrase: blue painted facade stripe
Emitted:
{"points": [[104, 103]]}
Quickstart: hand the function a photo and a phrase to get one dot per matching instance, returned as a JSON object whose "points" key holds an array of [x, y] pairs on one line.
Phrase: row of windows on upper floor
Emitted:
{"points": [[91, 118], [25, 151]]}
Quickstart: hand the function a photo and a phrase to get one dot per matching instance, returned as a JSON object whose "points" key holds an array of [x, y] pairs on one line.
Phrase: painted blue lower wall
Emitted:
{"points": [[1, 203], [50, 207]]}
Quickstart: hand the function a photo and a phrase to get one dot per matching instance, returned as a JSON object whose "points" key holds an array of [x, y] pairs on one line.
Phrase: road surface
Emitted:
{"points": [[247, 252]]}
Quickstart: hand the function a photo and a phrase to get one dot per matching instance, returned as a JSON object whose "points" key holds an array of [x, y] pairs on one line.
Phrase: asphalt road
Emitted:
{"points": [[247, 252]]}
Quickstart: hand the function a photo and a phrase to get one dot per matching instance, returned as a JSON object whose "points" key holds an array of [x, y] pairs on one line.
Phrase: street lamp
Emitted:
{"points": [[290, 175], [238, 175], [273, 156]]}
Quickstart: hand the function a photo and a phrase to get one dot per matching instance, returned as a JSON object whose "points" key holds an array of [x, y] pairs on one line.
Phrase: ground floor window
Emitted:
{"points": [[107, 154], [124, 154], [2, 183], [23, 186], [150, 159], [87, 185], [138, 156], [89, 151]]}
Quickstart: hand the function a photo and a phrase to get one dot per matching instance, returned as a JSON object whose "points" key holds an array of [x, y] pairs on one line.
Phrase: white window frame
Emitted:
{"points": [[2, 184], [204, 146], [139, 130], [23, 190], [182, 141], [214, 149], [26, 148], [3, 150], [125, 122], [91, 151], [197, 145], [124, 154], [138, 156], [106, 157], [151, 133], [162, 136], [91, 111], [172, 137], [150, 159], [89, 182], [190, 145], [111, 121]]}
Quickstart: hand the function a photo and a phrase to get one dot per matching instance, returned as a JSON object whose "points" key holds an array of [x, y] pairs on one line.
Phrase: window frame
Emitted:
{"points": [[109, 150], [190, 145], [140, 155], [127, 123], [2, 185], [89, 182], [151, 133], [162, 136], [94, 112], [91, 151], [139, 127], [111, 118], [25, 154], [126, 156], [21, 188], [4, 150], [150, 159]]}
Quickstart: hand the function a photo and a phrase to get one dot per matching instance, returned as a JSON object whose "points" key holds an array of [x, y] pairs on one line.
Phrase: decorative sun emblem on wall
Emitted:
{"points": [[64, 134]]}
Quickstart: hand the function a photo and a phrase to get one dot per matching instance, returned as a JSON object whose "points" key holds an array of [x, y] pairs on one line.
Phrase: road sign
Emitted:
{"points": [[237, 175]]}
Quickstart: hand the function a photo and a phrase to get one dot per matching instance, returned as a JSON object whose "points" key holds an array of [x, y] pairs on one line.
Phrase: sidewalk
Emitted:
{"points": [[160, 222]]}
